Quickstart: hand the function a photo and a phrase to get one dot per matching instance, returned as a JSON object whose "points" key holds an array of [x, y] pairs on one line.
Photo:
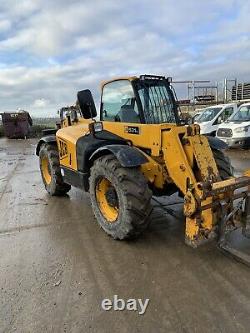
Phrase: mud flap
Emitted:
{"points": [[236, 243]]}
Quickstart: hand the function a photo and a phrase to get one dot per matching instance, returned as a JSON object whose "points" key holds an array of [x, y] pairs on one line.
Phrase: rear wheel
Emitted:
{"points": [[120, 198], [223, 164], [51, 172]]}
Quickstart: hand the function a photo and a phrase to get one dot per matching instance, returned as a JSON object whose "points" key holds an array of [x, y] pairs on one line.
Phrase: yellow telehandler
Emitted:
{"points": [[140, 148]]}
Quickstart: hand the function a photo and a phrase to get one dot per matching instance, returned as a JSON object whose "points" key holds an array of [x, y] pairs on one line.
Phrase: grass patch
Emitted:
{"points": [[40, 124]]}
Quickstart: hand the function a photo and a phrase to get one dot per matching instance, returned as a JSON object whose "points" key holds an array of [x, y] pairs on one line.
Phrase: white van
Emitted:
{"points": [[236, 130], [212, 116]]}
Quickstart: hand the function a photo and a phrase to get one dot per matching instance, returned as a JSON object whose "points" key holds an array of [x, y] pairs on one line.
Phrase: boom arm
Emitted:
{"points": [[202, 188]]}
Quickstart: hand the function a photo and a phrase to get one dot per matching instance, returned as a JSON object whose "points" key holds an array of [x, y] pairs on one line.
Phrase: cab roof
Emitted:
{"points": [[132, 78], [245, 104], [129, 78]]}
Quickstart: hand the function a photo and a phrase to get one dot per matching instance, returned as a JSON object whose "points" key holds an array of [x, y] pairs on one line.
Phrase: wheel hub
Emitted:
{"points": [[107, 200], [111, 197], [46, 170]]}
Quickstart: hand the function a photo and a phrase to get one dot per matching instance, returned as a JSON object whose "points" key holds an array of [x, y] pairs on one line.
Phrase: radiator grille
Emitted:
{"points": [[225, 132]]}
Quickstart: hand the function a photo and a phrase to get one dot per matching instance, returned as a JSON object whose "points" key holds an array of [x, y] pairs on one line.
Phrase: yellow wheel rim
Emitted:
{"points": [[46, 170], [107, 200]]}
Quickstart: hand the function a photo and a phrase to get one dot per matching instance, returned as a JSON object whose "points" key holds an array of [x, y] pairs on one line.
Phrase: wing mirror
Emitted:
{"points": [[87, 104]]}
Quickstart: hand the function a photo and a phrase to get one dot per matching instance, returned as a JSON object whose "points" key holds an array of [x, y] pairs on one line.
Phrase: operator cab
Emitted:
{"points": [[146, 100]]}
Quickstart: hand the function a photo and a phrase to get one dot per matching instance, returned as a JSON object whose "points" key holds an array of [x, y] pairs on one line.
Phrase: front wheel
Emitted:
{"points": [[51, 172], [223, 163], [120, 198]]}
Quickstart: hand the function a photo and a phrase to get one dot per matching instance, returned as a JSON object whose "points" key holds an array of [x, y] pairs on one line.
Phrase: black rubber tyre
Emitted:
{"points": [[52, 177], [223, 163], [132, 194]]}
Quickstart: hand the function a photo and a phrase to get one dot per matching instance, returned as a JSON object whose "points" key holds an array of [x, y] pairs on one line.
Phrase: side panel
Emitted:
{"points": [[76, 144], [142, 135], [73, 137], [67, 138]]}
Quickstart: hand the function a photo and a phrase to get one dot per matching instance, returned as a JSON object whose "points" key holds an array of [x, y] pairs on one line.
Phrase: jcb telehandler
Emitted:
{"points": [[140, 148]]}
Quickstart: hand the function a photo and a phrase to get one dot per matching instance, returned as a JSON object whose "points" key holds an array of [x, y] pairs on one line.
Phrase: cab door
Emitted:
{"points": [[119, 103]]}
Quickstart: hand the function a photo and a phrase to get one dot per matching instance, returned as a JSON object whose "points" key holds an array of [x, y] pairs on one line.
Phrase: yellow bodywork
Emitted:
{"points": [[179, 155], [66, 141], [175, 150]]}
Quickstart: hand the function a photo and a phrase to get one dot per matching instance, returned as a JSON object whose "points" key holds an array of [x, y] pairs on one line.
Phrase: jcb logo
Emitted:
{"points": [[63, 150]]}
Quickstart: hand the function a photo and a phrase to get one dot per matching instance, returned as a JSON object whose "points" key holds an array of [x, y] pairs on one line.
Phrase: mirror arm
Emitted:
{"points": [[69, 119]]}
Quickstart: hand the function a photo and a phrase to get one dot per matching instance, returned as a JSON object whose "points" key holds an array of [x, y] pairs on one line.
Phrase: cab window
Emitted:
{"points": [[227, 113], [118, 102]]}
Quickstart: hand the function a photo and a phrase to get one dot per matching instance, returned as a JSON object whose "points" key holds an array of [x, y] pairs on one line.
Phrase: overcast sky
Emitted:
{"points": [[51, 49]]}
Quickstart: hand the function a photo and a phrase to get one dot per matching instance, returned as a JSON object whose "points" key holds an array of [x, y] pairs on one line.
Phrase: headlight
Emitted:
{"points": [[241, 129], [95, 127]]}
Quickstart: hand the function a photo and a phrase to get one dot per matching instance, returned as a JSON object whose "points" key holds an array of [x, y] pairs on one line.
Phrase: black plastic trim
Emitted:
{"points": [[75, 178], [88, 144], [128, 156], [45, 139]]}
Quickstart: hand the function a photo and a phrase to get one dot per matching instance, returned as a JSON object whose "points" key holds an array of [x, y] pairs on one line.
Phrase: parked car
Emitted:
{"points": [[236, 130], [196, 116], [193, 116], [212, 116]]}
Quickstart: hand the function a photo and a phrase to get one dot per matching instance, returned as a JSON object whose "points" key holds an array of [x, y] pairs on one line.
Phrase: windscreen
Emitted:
{"points": [[208, 115], [242, 115], [157, 101]]}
